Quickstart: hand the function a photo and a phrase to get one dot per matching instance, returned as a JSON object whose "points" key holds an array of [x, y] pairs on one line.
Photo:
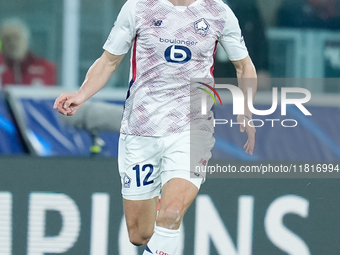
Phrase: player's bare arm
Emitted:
{"points": [[246, 74], [96, 78]]}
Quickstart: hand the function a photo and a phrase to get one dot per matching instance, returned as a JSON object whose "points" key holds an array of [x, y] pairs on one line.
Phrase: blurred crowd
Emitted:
{"points": [[316, 14], [19, 65], [255, 16]]}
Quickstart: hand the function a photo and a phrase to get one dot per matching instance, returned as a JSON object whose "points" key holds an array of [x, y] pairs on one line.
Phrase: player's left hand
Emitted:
{"points": [[250, 144]]}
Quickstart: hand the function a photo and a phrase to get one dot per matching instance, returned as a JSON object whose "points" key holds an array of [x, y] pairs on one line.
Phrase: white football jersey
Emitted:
{"points": [[170, 45]]}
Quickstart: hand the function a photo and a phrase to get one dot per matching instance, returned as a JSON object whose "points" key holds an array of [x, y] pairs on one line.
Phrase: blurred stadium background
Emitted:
{"points": [[59, 184]]}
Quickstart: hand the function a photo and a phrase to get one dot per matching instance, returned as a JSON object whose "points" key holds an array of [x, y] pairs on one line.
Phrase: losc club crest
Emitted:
{"points": [[201, 27], [127, 181]]}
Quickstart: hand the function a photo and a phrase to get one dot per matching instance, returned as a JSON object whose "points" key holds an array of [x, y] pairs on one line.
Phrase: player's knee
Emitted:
{"points": [[170, 217], [139, 239], [136, 240]]}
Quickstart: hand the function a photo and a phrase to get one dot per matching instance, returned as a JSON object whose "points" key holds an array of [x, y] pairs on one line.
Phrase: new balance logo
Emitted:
{"points": [[157, 22]]}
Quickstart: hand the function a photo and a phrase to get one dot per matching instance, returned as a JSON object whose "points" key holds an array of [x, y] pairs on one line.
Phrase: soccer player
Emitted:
{"points": [[172, 41]]}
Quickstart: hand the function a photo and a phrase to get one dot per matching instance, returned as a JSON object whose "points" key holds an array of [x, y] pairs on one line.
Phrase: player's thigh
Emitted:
{"points": [[184, 153], [140, 218], [180, 183], [177, 196], [139, 167]]}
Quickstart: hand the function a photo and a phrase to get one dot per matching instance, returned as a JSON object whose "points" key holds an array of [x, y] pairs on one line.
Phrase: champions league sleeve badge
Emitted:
{"points": [[201, 27]]}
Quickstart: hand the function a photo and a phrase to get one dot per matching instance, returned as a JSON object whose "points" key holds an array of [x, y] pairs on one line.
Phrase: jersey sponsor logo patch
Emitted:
{"points": [[201, 27], [177, 54], [127, 181], [177, 41]]}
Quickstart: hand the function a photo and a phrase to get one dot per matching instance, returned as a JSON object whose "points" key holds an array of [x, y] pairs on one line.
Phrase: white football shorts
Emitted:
{"points": [[147, 163]]}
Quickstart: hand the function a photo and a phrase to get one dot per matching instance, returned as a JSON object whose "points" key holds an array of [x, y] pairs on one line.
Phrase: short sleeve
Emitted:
{"points": [[231, 39], [123, 32]]}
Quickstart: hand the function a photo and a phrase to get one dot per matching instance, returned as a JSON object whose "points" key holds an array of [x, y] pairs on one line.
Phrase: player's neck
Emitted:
{"points": [[181, 2]]}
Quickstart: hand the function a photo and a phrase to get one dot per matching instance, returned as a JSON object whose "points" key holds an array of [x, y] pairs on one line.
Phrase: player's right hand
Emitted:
{"points": [[68, 104]]}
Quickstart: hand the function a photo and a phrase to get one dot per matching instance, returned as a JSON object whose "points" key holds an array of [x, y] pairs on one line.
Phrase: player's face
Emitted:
{"points": [[14, 43]]}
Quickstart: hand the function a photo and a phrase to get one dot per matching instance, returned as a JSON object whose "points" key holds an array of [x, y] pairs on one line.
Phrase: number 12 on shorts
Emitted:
{"points": [[146, 179]]}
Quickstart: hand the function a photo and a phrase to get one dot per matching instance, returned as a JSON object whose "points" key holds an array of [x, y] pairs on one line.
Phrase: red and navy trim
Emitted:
{"points": [[134, 67]]}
